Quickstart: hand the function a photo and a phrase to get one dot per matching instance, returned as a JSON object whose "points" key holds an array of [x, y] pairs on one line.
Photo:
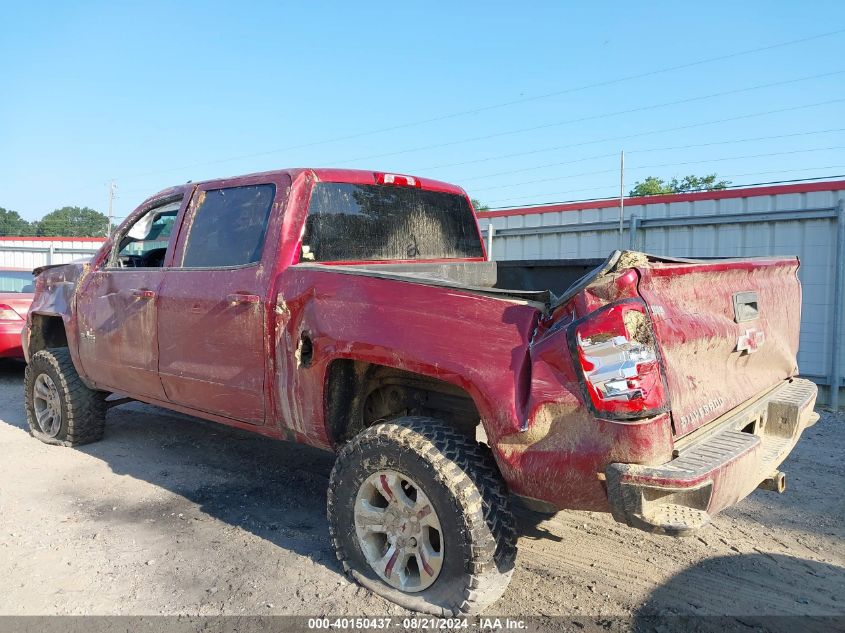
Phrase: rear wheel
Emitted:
{"points": [[419, 514], [60, 408]]}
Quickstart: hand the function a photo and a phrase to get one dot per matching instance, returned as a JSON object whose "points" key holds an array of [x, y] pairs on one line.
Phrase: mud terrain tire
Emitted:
{"points": [[81, 411], [459, 478]]}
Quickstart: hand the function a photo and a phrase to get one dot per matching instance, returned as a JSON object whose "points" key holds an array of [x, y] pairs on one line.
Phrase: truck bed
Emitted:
{"points": [[709, 317]]}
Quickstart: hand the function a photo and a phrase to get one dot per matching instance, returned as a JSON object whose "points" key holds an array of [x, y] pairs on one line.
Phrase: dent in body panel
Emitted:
{"points": [[560, 456], [564, 450], [697, 330], [427, 330], [55, 288], [55, 294]]}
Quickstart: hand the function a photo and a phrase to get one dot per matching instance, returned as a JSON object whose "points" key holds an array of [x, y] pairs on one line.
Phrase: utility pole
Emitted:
{"points": [[621, 195], [112, 190]]}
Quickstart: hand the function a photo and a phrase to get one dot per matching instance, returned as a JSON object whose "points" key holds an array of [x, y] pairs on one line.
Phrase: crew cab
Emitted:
{"points": [[356, 311]]}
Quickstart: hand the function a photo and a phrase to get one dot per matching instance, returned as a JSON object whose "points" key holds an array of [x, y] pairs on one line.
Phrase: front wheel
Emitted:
{"points": [[60, 408], [419, 514]]}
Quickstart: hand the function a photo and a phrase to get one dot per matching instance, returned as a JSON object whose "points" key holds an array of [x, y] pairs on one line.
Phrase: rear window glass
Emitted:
{"points": [[229, 227], [16, 281], [384, 222]]}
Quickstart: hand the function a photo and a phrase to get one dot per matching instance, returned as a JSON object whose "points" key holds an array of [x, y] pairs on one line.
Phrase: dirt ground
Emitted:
{"points": [[173, 515]]}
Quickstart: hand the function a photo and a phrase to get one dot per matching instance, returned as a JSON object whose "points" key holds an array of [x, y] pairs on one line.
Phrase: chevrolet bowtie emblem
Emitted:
{"points": [[751, 341]]}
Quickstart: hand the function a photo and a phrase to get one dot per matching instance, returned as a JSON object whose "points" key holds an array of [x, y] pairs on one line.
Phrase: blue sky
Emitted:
{"points": [[152, 94]]}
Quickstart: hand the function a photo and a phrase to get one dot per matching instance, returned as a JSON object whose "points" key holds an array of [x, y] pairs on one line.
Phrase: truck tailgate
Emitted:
{"points": [[727, 331]]}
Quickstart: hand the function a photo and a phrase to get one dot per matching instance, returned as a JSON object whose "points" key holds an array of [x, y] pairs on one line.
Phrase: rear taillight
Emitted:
{"points": [[7, 314], [619, 359]]}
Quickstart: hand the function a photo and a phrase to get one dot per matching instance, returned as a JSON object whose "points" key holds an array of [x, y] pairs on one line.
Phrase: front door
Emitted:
{"points": [[213, 304], [116, 305]]}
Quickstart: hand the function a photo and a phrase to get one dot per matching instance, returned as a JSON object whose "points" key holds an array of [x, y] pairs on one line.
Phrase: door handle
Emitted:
{"points": [[238, 297], [143, 294]]}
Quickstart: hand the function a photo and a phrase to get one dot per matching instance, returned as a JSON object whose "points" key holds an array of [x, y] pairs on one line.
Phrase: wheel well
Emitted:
{"points": [[358, 394], [46, 331]]}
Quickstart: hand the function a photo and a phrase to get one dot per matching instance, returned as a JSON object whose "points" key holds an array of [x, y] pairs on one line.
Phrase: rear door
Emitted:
{"points": [[213, 303], [727, 330]]}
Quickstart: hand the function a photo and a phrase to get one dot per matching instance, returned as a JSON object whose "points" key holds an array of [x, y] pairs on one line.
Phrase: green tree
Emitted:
{"points": [[653, 186], [12, 224], [74, 222], [478, 205]]}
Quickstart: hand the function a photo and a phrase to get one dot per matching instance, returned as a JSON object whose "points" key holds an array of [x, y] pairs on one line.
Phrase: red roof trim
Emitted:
{"points": [[806, 187], [19, 238]]}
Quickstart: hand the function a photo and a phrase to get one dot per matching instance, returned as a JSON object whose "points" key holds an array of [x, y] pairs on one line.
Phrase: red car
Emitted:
{"points": [[16, 292], [355, 311]]}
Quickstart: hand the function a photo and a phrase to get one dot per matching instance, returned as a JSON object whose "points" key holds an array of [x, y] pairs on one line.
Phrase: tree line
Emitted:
{"points": [[654, 186], [63, 222]]}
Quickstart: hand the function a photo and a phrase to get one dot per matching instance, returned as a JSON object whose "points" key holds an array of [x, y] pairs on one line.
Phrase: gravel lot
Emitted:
{"points": [[173, 515]]}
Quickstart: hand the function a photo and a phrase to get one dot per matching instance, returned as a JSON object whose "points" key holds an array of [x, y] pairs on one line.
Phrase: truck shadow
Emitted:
{"points": [[272, 489], [11, 378], [748, 592]]}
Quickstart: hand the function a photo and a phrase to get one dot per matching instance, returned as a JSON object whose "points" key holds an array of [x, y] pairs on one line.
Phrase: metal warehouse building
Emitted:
{"points": [[806, 219], [32, 252]]}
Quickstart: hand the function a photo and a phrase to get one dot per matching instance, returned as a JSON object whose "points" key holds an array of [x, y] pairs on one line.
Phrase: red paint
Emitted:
{"points": [[698, 332], [386, 486], [10, 329], [226, 344], [388, 569], [746, 192], [426, 565]]}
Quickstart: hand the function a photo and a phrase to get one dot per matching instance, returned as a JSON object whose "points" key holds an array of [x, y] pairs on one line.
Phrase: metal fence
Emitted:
{"points": [[810, 224], [31, 253]]}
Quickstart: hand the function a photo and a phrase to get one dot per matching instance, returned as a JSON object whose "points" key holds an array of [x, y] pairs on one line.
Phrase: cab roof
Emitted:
{"points": [[321, 174]]}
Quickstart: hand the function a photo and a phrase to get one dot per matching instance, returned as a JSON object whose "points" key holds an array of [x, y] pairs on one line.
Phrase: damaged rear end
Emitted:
{"points": [[689, 368]]}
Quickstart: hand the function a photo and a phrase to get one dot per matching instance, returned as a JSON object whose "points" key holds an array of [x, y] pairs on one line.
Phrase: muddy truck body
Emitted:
{"points": [[356, 311]]}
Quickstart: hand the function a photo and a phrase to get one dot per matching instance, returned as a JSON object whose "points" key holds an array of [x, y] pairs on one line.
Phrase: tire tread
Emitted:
{"points": [[84, 408], [467, 469]]}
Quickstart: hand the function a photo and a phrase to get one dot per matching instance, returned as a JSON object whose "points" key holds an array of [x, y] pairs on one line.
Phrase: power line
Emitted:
{"points": [[635, 135], [592, 117], [646, 150], [652, 149], [611, 198], [787, 171], [691, 162], [509, 103]]}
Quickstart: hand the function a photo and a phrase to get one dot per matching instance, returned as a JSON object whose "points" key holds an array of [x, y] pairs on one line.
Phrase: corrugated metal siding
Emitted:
{"points": [[812, 240], [29, 253]]}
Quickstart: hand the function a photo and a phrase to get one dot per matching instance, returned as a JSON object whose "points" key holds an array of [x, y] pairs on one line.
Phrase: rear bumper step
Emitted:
{"points": [[715, 471]]}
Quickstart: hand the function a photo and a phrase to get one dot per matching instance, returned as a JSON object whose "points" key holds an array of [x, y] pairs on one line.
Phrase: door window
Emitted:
{"points": [[229, 227], [144, 243]]}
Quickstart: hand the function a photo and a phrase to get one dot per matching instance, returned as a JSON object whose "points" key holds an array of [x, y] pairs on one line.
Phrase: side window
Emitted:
{"points": [[144, 243], [229, 226]]}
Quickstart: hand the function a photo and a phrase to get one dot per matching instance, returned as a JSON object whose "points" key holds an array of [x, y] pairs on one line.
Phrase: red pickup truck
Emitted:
{"points": [[356, 311]]}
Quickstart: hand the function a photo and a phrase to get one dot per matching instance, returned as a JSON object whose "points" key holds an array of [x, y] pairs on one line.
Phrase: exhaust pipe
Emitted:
{"points": [[776, 482]]}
